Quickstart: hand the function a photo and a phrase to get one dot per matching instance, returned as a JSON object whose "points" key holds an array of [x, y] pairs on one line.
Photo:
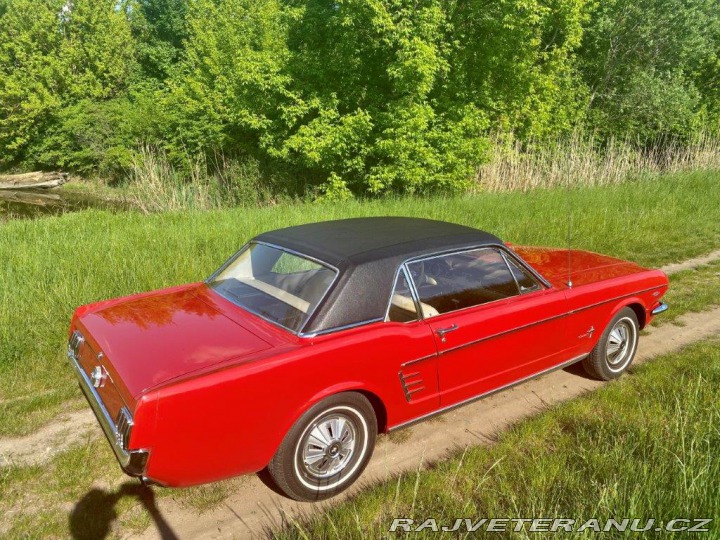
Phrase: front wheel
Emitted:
{"points": [[327, 449], [616, 348]]}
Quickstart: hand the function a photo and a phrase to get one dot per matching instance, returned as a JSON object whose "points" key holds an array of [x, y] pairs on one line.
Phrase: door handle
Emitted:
{"points": [[442, 331]]}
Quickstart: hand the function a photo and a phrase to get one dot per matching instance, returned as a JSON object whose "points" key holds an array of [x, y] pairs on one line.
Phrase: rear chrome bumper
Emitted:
{"points": [[659, 308], [133, 462]]}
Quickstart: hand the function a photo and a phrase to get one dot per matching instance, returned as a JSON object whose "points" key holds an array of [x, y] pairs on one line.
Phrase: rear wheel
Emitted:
{"points": [[327, 449], [616, 348]]}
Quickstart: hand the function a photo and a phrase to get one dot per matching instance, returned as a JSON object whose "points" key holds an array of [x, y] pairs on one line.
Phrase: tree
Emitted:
{"points": [[54, 54], [160, 30], [641, 60], [230, 80], [515, 59], [363, 74]]}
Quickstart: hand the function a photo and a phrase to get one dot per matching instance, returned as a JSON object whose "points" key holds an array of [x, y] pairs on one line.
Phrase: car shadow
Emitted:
{"points": [[578, 369], [94, 514], [266, 479]]}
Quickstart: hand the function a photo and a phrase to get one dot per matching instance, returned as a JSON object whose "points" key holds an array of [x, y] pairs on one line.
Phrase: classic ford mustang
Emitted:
{"points": [[311, 340]]}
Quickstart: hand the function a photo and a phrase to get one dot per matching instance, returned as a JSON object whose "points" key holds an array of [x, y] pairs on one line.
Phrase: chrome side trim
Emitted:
{"points": [[535, 323], [486, 394], [616, 298], [132, 461], [410, 384], [338, 328], [418, 360], [660, 308], [402, 269]]}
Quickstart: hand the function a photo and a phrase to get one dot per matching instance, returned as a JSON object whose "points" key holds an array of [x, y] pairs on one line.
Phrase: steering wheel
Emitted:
{"points": [[417, 272]]}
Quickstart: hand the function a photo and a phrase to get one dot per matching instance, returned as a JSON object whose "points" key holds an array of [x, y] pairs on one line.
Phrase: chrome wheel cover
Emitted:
{"points": [[620, 345], [328, 446]]}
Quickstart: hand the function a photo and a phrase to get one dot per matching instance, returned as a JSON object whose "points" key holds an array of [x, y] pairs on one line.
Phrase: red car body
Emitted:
{"points": [[210, 389]]}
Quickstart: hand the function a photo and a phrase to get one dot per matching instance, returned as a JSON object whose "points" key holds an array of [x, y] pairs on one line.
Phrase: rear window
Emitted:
{"points": [[282, 287]]}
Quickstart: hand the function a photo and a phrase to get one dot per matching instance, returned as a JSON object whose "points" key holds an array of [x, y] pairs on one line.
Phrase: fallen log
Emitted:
{"points": [[35, 198], [32, 180]]}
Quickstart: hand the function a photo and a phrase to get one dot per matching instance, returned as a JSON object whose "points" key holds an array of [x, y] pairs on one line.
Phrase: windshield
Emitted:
{"points": [[275, 284]]}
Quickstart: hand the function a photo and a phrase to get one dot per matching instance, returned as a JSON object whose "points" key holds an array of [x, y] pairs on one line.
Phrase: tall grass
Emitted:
{"points": [[582, 160], [156, 185], [642, 448]]}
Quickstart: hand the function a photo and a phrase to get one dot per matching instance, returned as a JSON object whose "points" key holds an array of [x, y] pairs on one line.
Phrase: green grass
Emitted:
{"points": [[643, 447], [692, 291], [51, 265]]}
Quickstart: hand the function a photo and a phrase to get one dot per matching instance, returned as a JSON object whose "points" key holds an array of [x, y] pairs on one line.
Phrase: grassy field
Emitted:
{"points": [[692, 291], [54, 264], [594, 457]]}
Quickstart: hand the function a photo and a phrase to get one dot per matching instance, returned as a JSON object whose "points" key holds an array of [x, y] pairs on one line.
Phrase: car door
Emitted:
{"points": [[494, 322], [414, 346]]}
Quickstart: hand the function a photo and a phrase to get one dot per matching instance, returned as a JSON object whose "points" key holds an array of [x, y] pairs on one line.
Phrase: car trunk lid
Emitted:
{"points": [[150, 339]]}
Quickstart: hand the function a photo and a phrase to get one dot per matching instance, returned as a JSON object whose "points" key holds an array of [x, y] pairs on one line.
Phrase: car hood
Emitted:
{"points": [[152, 338], [581, 267]]}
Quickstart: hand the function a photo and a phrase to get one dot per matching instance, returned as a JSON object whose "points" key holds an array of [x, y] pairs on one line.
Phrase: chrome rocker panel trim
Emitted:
{"points": [[133, 462]]}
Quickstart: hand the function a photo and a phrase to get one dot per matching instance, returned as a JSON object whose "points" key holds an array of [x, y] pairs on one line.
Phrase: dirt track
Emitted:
{"points": [[58, 435], [254, 508]]}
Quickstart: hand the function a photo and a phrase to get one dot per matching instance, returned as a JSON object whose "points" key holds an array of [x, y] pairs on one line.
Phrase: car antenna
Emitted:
{"points": [[569, 234]]}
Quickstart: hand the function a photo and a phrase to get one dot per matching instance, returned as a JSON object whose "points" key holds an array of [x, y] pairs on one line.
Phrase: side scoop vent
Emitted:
{"points": [[411, 383]]}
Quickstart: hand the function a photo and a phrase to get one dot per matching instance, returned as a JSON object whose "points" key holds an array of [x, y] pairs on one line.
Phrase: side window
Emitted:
{"points": [[461, 280], [525, 280], [402, 305]]}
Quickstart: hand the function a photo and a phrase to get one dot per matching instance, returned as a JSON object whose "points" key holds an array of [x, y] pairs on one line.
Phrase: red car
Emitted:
{"points": [[311, 340]]}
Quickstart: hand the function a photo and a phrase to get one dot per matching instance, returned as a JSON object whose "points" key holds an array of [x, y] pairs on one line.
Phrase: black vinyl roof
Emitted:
{"points": [[367, 253]]}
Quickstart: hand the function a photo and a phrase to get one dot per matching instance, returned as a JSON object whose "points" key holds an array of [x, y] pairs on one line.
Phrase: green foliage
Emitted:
{"points": [[515, 60], [29, 42], [53, 55], [643, 62], [230, 79], [363, 74], [346, 97], [95, 136], [160, 31]]}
